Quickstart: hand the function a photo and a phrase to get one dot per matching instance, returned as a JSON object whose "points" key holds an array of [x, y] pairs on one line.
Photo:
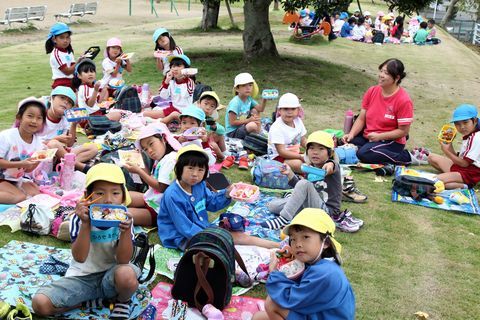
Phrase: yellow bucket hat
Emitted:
{"points": [[108, 172], [244, 78], [321, 137], [317, 220], [189, 148]]}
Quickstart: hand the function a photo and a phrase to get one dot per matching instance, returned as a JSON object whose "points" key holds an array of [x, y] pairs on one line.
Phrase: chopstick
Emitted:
{"points": [[91, 194], [95, 200]]}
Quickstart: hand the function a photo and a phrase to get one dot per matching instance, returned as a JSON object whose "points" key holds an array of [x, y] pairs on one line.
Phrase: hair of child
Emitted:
{"points": [[172, 44], [168, 147], [431, 21], [191, 158], [423, 25], [328, 252], [83, 66], [210, 98], [90, 188], [178, 62], [25, 107], [189, 117], [395, 68], [360, 21], [351, 20], [50, 44]]}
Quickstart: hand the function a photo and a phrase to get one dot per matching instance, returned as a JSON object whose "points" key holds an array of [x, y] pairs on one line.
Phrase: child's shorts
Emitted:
{"points": [[71, 291], [168, 110], [239, 133], [470, 175]]}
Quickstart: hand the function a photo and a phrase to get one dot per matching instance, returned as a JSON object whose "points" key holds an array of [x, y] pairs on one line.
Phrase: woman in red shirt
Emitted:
{"points": [[381, 129]]}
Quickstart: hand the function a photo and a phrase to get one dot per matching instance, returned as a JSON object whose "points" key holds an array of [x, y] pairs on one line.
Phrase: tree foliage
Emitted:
{"points": [[407, 7], [327, 6]]}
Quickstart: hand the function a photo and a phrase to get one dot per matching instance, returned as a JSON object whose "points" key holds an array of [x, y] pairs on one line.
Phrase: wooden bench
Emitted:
{"points": [[91, 7], [16, 14], [76, 10], [37, 13]]}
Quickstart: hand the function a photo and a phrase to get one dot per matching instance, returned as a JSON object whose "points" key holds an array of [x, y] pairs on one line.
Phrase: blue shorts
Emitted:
{"points": [[68, 292], [239, 133]]}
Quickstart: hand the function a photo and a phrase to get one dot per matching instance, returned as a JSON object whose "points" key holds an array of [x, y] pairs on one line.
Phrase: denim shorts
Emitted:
{"points": [[239, 133], [71, 291]]}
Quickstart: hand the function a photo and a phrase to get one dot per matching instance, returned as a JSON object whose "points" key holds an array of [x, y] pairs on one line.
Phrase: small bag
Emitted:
{"points": [[415, 187], [99, 125], [232, 222], [266, 173], [378, 37], [347, 154], [127, 99], [37, 219], [141, 250], [256, 143]]}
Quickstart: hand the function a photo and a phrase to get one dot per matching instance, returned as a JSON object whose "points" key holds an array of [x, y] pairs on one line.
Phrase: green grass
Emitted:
{"points": [[406, 258]]}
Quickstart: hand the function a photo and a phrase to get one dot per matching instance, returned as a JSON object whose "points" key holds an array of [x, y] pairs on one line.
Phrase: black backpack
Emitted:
{"points": [[127, 99], [199, 89], [206, 271], [99, 125], [415, 187], [378, 37], [142, 250], [256, 143]]}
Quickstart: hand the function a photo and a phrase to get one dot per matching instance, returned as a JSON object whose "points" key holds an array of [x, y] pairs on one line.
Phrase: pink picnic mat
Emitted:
{"points": [[240, 307]]}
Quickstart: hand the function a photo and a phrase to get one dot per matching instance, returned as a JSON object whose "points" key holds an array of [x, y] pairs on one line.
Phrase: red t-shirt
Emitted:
{"points": [[386, 114]]}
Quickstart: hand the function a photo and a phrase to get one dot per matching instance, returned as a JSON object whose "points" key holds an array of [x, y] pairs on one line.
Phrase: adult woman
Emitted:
{"points": [[381, 129]]}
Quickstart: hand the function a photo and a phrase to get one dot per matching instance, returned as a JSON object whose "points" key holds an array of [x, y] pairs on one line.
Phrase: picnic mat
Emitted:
{"points": [[11, 217], [239, 308], [470, 207], [20, 278]]}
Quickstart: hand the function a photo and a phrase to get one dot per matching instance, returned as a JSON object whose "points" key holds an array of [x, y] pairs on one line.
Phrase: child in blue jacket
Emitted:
{"points": [[184, 205], [323, 291]]}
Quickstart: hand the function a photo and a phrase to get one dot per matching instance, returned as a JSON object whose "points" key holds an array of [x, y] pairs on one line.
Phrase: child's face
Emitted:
{"points": [[187, 123], [154, 147], [208, 105], [245, 89], [164, 42], [87, 77], [31, 121], [60, 104], [465, 127], [176, 70], [430, 25], [192, 175], [317, 154], [62, 41], [288, 114], [110, 193], [114, 52], [305, 244]]}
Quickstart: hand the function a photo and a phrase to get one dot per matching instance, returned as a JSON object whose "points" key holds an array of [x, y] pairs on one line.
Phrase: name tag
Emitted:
{"points": [[109, 235], [177, 90], [200, 206], [389, 116]]}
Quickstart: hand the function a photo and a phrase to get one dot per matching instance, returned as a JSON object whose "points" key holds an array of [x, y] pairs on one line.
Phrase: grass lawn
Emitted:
{"points": [[406, 258]]}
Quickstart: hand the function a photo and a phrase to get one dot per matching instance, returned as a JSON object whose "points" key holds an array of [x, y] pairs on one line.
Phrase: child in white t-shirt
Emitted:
{"points": [[287, 133], [17, 145], [359, 30], [113, 65]]}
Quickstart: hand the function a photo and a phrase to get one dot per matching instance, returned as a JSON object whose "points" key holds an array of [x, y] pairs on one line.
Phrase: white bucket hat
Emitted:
{"points": [[288, 100], [244, 78]]}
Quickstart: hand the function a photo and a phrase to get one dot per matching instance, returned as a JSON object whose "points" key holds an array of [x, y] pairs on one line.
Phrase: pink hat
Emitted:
{"points": [[380, 14], [112, 42], [161, 129]]}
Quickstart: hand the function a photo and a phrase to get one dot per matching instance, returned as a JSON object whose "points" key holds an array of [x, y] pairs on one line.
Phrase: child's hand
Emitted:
{"points": [[126, 225], [28, 165], [132, 168], [168, 76], [446, 147], [182, 139], [272, 266], [81, 210], [228, 190], [97, 85], [328, 167], [118, 61], [286, 170]]}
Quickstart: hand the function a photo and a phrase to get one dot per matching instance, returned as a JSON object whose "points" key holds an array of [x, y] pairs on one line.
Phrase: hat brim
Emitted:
{"points": [[128, 199], [255, 88]]}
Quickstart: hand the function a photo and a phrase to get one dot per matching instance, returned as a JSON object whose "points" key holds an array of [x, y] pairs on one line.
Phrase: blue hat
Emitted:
{"points": [[158, 33], [312, 14], [303, 13], [58, 28], [179, 56], [464, 112], [343, 15], [64, 91], [194, 112]]}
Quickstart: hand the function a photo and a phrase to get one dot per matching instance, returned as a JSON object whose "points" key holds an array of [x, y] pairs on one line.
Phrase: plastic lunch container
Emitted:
{"points": [[76, 114], [270, 94], [320, 173], [447, 133], [244, 192], [192, 133], [106, 222], [116, 83]]}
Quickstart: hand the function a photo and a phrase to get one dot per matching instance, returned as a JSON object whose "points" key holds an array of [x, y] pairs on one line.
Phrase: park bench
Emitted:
{"points": [[36, 13], [16, 14], [91, 8], [76, 10]]}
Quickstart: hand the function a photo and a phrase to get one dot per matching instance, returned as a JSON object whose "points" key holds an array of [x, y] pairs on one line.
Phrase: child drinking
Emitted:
{"points": [[17, 144], [183, 208], [243, 111], [100, 269], [209, 102], [176, 87], [462, 170], [287, 133], [312, 242], [113, 65], [62, 61], [160, 146], [164, 42], [315, 193]]}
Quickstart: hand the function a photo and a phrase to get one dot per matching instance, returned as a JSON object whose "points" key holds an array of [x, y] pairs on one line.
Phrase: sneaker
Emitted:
{"points": [[243, 163], [350, 192], [352, 219], [418, 157], [20, 312], [344, 224], [228, 162], [275, 224], [386, 170], [121, 310]]}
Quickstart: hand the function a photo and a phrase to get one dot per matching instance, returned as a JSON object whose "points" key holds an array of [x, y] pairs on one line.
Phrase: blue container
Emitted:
{"points": [[72, 117], [313, 174], [103, 222]]}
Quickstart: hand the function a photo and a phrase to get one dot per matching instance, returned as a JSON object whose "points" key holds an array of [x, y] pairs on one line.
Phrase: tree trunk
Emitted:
{"points": [[257, 37], [227, 4], [276, 5], [449, 14], [211, 9]]}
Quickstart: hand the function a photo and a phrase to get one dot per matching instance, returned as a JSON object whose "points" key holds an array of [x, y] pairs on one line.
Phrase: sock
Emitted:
{"points": [[275, 224], [121, 310]]}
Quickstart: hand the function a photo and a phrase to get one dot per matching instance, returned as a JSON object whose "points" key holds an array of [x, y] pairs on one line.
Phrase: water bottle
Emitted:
{"points": [[348, 122], [145, 95], [66, 170]]}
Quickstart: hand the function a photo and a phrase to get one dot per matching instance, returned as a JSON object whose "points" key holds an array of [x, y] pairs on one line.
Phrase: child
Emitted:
{"points": [[368, 17], [420, 37], [60, 134], [462, 170], [62, 61], [287, 133], [312, 242], [378, 20], [160, 146], [386, 25], [305, 19], [100, 269], [209, 102], [359, 30], [339, 22], [183, 208], [325, 194], [432, 33], [17, 144], [177, 87], [164, 42], [113, 65], [243, 111], [89, 93], [347, 28], [396, 32], [368, 33]]}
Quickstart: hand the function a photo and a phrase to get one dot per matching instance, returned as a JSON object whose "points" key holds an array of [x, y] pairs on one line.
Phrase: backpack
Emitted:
{"points": [[199, 89], [141, 250], [256, 143], [266, 173], [99, 125], [206, 271], [37, 219], [415, 187], [378, 37], [127, 99]]}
